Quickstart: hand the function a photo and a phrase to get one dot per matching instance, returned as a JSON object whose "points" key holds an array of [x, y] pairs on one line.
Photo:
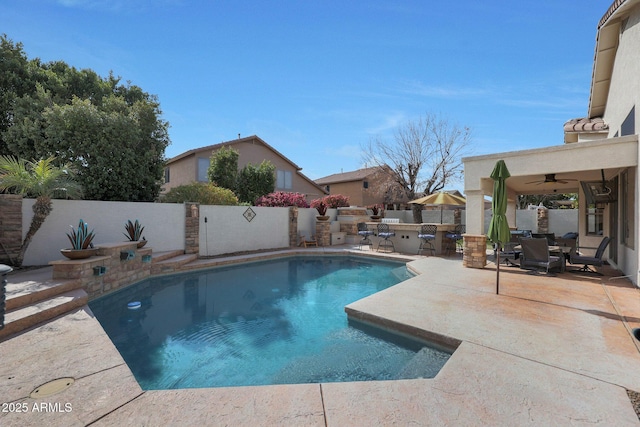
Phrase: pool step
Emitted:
{"points": [[172, 264], [47, 301]]}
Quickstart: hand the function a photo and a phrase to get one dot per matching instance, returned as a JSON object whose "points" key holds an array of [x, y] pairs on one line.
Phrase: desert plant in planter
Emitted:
{"points": [[134, 232], [321, 207], [81, 242]]}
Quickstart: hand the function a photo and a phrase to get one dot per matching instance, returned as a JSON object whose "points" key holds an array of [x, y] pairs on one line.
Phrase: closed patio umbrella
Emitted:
{"points": [[499, 232], [440, 199]]}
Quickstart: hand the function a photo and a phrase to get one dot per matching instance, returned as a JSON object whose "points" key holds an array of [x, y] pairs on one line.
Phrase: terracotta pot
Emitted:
{"points": [[141, 243], [323, 218], [78, 253]]}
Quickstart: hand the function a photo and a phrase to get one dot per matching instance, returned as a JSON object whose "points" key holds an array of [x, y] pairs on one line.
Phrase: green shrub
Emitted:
{"points": [[200, 192]]}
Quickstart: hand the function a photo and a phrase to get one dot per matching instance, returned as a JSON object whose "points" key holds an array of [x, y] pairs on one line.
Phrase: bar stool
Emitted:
{"points": [[385, 233], [452, 238], [427, 234], [364, 231]]}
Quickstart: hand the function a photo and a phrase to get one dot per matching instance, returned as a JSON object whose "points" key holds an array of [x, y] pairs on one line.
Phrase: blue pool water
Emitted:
{"points": [[273, 322]]}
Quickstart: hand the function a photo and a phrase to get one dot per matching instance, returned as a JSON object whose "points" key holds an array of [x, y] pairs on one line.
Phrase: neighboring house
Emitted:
{"points": [[599, 158], [192, 166], [364, 187]]}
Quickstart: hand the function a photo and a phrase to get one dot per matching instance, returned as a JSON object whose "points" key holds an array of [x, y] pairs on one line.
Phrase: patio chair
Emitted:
{"points": [[551, 237], [427, 235], [595, 260], [311, 240], [385, 233], [452, 238], [571, 243], [364, 231], [509, 254], [535, 255]]}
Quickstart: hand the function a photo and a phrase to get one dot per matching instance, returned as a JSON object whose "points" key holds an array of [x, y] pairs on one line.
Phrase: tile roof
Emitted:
{"points": [[612, 9], [585, 124], [347, 176]]}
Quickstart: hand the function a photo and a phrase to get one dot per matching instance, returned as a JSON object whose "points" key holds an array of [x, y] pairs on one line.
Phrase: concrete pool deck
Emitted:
{"points": [[546, 351]]}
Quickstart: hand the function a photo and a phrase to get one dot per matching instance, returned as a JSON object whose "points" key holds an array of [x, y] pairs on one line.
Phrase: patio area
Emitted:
{"points": [[546, 351]]}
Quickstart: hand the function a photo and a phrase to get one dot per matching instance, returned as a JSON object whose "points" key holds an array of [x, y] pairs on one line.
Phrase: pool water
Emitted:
{"points": [[275, 322]]}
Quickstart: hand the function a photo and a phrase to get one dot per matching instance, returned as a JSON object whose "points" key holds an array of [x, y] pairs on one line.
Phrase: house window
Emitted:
{"points": [[284, 180], [628, 201], [595, 219], [167, 175], [365, 184], [203, 168], [327, 188], [629, 125]]}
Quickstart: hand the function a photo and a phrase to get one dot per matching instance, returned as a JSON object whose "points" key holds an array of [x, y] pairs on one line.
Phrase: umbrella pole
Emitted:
{"points": [[497, 257]]}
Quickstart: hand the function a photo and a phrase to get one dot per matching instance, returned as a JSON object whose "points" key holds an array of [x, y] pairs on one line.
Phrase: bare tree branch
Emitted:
{"points": [[424, 156]]}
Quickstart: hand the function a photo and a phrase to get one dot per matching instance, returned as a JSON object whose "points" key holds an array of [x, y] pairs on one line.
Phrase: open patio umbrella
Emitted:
{"points": [[440, 199], [499, 232]]}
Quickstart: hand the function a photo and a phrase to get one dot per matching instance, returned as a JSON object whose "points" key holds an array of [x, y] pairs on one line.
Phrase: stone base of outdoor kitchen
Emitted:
{"points": [[115, 265]]}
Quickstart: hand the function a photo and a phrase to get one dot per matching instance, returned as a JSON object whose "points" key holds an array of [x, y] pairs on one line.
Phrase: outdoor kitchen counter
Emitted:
{"points": [[406, 238]]}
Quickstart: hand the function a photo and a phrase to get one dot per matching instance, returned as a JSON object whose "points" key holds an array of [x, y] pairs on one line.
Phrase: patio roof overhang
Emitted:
{"points": [[570, 163]]}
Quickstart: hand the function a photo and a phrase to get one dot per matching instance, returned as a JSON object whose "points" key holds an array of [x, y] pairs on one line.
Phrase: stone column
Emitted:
{"points": [[474, 212], [475, 250], [10, 227], [293, 226], [323, 233], [543, 220], [192, 228]]}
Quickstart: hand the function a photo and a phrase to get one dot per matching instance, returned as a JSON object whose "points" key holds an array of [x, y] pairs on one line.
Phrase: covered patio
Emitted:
{"points": [[561, 169]]}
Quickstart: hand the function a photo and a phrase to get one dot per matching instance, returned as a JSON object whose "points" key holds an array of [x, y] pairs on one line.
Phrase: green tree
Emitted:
{"points": [[111, 133], [40, 179], [256, 181], [200, 192], [223, 168], [549, 201]]}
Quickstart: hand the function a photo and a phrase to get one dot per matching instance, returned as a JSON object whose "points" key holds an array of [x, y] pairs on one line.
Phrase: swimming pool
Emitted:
{"points": [[274, 322]]}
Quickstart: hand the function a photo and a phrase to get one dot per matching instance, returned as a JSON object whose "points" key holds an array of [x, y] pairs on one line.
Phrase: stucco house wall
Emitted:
{"points": [[184, 168], [624, 92]]}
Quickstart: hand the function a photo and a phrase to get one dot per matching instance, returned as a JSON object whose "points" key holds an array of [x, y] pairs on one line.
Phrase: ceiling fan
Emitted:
{"points": [[550, 178]]}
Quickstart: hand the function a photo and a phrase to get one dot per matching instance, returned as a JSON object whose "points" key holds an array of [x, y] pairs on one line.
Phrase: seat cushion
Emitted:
{"points": [[426, 236]]}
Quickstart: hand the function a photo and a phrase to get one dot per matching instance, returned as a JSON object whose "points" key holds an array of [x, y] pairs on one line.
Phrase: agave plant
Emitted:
{"points": [[134, 230], [81, 237]]}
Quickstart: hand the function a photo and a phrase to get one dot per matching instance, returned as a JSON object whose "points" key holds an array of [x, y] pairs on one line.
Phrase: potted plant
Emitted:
{"points": [[321, 207], [81, 242], [375, 210], [134, 232]]}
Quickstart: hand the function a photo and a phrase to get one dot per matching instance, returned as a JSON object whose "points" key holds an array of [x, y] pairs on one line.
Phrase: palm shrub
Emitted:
{"points": [[42, 179]]}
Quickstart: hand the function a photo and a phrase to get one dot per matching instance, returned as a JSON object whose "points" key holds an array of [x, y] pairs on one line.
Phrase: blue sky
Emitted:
{"points": [[317, 79]]}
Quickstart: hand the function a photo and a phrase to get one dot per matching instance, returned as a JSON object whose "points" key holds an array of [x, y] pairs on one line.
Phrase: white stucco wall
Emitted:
{"points": [[163, 225], [227, 230]]}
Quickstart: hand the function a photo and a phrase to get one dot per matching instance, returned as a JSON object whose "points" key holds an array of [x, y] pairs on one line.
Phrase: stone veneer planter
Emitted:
{"points": [[474, 250], [114, 272]]}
